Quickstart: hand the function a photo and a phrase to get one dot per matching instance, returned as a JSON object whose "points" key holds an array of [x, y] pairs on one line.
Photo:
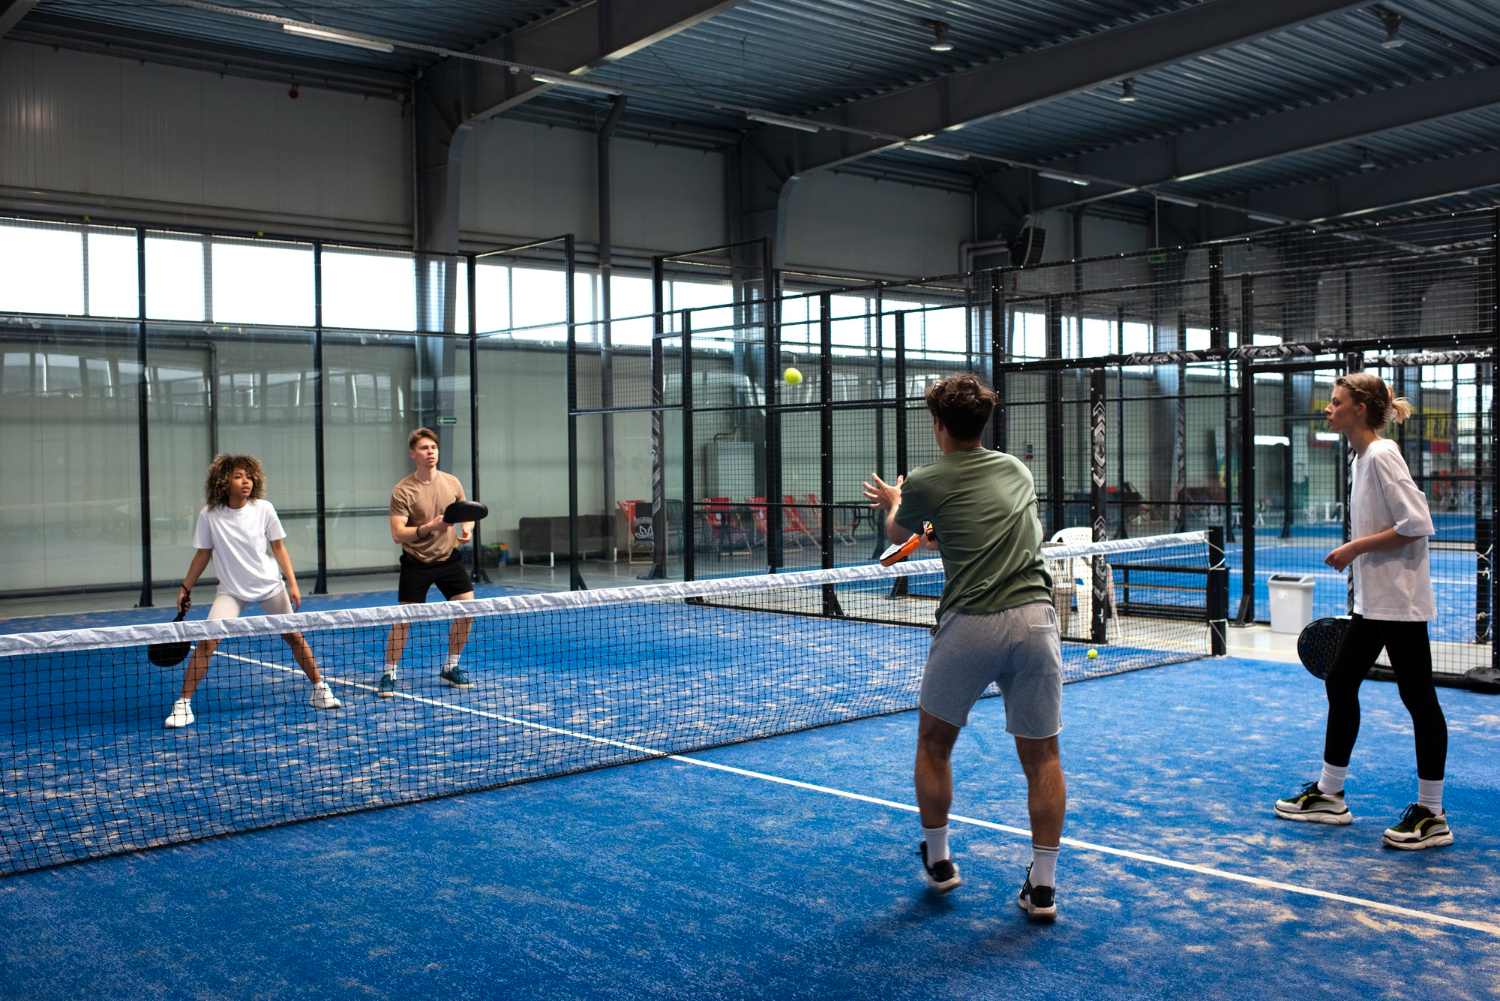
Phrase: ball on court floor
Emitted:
{"points": [[1093, 653], [792, 377]]}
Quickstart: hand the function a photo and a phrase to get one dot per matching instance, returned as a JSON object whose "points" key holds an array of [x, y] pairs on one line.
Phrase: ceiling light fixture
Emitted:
{"points": [[1127, 90], [940, 41], [1065, 178], [1256, 217], [562, 80], [338, 37], [1367, 162], [946, 154], [1184, 202], [801, 125], [1393, 39]]}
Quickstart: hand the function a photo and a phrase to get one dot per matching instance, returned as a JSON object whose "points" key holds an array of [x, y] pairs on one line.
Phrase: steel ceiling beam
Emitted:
{"points": [[1221, 148], [1374, 191], [953, 101], [458, 94], [11, 12]]}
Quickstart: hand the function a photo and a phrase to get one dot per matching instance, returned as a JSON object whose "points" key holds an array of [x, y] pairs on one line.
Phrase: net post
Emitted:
{"points": [[773, 415], [319, 470], [471, 269], [143, 429], [825, 447], [1218, 593], [1246, 613], [1494, 436], [900, 587], [1056, 501], [575, 577], [998, 428], [689, 516], [1097, 438], [658, 569]]}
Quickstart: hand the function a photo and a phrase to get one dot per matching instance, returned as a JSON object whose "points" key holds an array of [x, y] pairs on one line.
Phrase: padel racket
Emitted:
{"points": [[1318, 644], [900, 551], [169, 654], [461, 511]]}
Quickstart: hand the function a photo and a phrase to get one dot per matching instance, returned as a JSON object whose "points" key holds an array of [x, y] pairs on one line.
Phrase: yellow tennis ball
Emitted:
{"points": [[1093, 653], [792, 377]]}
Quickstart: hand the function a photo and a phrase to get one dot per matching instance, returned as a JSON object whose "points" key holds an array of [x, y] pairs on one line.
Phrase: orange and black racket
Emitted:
{"points": [[900, 551]]}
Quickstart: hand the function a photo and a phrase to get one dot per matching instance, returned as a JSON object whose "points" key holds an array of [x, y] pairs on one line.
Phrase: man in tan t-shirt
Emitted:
{"points": [[428, 555]]}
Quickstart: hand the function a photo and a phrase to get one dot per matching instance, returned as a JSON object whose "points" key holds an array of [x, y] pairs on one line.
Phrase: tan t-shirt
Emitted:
{"points": [[420, 503]]}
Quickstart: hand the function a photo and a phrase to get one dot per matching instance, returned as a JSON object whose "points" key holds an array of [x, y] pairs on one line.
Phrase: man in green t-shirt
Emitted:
{"points": [[995, 624]]}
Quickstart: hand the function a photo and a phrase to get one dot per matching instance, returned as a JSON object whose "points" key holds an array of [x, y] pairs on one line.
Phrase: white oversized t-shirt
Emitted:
{"points": [[239, 539], [1395, 585]]}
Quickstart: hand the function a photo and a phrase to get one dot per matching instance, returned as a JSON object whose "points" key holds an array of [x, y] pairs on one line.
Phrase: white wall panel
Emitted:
{"points": [[667, 199], [840, 222], [529, 181], [101, 127]]}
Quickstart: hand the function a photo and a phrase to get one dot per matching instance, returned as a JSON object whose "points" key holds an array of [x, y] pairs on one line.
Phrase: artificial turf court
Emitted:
{"points": [[668, 878]]}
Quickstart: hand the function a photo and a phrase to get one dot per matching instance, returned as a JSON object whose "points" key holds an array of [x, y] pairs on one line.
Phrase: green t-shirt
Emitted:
{"points": [[982, 504]]}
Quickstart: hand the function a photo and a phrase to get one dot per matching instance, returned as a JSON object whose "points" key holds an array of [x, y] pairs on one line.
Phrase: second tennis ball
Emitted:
{"points": [[1093, 653], [792, 377]]}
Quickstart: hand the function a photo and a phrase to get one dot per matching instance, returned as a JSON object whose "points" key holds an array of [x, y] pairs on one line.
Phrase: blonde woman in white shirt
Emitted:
{"points": [[1393, 602], [235, 529]]}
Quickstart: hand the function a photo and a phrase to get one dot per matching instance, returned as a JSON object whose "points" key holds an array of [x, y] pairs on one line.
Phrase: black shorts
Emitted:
{"points": [[417, 577]]}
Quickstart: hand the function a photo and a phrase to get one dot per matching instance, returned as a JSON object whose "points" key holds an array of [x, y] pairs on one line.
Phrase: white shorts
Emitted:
{"points": [[227, 606]]}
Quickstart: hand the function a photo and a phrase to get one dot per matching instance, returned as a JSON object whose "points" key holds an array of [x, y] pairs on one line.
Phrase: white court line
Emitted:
{"points": [[1269, 884]]}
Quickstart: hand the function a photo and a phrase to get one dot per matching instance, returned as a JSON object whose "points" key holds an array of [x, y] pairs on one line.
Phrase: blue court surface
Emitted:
{"points": [[783, 868]]}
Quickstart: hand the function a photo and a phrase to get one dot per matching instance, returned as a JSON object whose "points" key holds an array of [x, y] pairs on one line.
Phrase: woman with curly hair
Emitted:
{"points": [[234, 530], [1393, 602]]}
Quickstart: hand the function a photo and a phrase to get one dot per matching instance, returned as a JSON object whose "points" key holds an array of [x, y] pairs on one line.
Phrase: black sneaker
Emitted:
{"points": [[387, 687], [1039, 902], [455, 677], [1419, 827], [941, 875], [1312, 804]]}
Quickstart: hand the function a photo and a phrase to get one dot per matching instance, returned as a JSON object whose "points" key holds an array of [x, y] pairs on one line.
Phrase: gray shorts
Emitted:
{"points": [[1017, 649]]}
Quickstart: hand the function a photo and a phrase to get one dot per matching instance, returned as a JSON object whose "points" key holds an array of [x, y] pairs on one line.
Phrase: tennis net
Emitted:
{"points": [[562, 682]]}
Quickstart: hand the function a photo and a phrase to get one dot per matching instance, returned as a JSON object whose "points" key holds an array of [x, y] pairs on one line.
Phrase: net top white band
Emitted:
{"points": [[62, 641]]}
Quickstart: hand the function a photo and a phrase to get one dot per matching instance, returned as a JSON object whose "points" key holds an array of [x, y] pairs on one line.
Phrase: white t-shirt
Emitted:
{"points": [[239, 539], [1394, 585]]}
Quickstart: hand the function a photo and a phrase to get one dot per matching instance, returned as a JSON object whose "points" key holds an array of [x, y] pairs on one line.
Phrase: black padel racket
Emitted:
{"points": [[1318, 644], [461, 511], [169, 654]]}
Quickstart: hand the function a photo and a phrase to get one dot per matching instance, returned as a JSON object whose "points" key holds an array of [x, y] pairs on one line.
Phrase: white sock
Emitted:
{"points": [[186, 700], [937, 843], [391, 669], [1333, 777], [451, 662], [1430, 794], [1044, 865]]}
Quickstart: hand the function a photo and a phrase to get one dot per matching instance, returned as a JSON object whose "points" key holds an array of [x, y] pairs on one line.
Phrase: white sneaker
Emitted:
{"points": [[322, 697], [182, 714]]}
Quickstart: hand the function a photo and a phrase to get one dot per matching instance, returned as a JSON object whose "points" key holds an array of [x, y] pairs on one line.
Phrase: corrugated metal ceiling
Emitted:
{"points": [[797, 57]]}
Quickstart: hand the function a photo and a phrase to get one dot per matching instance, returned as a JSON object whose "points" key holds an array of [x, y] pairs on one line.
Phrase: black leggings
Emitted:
{"points": [[1411, 658]]}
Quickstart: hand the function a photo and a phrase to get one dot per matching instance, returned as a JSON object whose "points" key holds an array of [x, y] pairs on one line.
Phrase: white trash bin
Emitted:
{"points": [[1291, 602]]}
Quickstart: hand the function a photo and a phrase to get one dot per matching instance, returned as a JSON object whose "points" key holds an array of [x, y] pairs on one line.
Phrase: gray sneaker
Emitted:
{"points": [[455, 678], [387, 687], [1312, 804], [1419, 827]]}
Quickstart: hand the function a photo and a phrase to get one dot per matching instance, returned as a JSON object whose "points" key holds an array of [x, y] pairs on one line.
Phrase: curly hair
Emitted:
{"points": [[1381, 405], [963, 403], [216, 487]]}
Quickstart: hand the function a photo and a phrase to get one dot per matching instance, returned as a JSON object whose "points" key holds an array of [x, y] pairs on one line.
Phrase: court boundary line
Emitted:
{"points": [[1159, 860]]}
